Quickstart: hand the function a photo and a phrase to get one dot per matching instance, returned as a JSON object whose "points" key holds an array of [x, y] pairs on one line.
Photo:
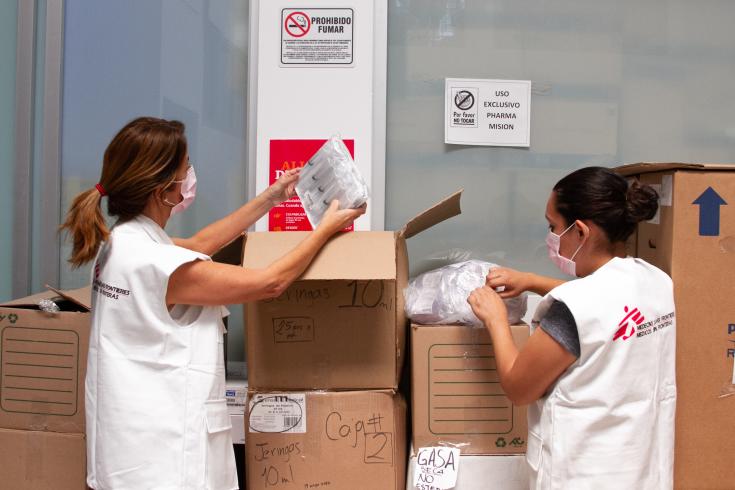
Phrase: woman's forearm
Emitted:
{"points": [[289, 267], [542, 284], [218, 234], [211, 283]]}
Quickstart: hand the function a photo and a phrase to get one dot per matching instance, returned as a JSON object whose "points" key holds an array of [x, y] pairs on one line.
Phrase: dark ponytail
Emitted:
{"points": [[604, 197], [641, 202]]}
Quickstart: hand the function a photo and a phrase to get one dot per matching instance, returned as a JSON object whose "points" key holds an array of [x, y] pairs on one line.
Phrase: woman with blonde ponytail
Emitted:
{"points": [[155, 413], [86, 225]]}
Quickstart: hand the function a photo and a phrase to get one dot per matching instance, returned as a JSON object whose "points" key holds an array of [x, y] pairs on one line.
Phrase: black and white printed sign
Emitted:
{"points": [[488, 112], [317, 36]]}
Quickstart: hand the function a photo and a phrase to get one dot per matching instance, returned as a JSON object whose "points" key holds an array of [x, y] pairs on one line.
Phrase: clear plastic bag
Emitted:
{"points": [[440, 296], [48, 306], [328, 175]]}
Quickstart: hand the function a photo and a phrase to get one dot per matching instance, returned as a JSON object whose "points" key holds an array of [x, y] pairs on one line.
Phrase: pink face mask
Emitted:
{"points": [[553, 242], [188, 192]]}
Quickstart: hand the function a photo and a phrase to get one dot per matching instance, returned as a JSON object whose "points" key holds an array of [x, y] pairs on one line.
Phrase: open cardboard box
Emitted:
{"points": [[43, 361], [342, 324]]}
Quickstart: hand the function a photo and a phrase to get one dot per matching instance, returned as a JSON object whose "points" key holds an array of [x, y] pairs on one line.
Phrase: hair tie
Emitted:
{"points": [[101, 190]]}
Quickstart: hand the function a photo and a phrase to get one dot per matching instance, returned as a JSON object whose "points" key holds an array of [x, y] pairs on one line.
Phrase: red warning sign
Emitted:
{"points": [[297, 24], [285, 155]]}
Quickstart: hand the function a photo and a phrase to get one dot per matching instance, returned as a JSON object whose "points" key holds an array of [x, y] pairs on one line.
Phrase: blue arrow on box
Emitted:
{"points": [[709, 212]]}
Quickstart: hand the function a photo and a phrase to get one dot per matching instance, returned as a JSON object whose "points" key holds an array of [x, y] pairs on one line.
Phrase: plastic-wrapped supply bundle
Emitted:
{"points": [[440, 296], [48, 306], [328, 175]]}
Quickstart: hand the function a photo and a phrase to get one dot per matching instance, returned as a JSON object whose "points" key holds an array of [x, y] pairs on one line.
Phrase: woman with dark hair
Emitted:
{"points": [[599, 368], [155, 408]]}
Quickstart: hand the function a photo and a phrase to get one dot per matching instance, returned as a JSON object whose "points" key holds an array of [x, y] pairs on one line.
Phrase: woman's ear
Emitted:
{"points": [[583, 231], [159, 195]]}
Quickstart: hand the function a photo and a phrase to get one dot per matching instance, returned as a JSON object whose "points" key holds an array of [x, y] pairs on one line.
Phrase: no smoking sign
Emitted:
{"points": [[297, 24], [317, 37]]}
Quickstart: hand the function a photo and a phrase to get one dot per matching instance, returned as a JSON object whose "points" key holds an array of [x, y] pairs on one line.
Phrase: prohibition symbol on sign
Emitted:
{"points": [[464, 100], [297, 24]]}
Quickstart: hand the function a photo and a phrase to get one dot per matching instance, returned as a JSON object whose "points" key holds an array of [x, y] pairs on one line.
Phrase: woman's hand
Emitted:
{"points": [[284, 188], [514, 282], [336, 219], [489, 307]]}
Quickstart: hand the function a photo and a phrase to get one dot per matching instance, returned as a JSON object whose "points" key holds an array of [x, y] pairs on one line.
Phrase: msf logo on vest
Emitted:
{"points": [[626, 327]]}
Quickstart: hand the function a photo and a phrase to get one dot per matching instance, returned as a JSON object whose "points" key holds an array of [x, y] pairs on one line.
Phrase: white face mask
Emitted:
{"points": [[553, 242], [188, 192]]}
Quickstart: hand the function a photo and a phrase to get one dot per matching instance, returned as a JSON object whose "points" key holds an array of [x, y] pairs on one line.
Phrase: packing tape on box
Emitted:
{"points": [[324, 370], [34, 462]]}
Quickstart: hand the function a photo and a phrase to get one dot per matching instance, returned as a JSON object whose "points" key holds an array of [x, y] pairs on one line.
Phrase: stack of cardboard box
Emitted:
{"points": [[692, 239], [43, 360], [458, 402], [325, 359]]}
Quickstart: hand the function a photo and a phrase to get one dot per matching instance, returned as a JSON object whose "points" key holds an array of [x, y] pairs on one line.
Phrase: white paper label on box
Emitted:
{"points": [[317, 36], [656, 220], [436, 468], [487, 112], [283, 413], [667, 189]]}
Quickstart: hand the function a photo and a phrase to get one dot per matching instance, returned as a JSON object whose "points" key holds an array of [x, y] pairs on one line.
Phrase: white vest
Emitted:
{"points": [[156, 413], [608, 421]]}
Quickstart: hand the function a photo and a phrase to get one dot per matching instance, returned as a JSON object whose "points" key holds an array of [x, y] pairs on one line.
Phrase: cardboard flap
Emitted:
{"points": [[648, 167], [232, 252], [362, 255], [30, 300], [81, 297], [441, 211]]}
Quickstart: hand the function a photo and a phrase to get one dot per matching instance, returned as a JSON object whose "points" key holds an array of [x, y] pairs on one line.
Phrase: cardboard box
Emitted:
{"points": [[341, 440], [456, 397], [342, 324], [475, 472], [43, 361], [39, 460], [693, 240]]}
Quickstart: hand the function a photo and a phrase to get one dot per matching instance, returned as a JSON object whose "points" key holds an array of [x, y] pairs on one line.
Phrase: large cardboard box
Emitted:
{"points": [[352, 440], [43, 361], [693, 240], [457, 399], [40, 460], [342, 324]]}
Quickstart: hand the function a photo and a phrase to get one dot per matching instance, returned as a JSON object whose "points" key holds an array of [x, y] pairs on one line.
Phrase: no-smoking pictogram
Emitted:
{"points": [[297, 24], [464, 100]]}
